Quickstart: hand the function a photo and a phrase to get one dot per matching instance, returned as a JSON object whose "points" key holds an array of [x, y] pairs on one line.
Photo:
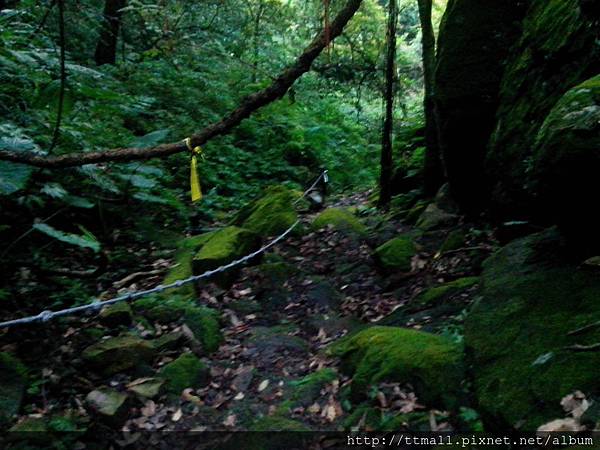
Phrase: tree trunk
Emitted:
{"points": [[386, 138], [256, 42], [106, 49], [433, 176]]}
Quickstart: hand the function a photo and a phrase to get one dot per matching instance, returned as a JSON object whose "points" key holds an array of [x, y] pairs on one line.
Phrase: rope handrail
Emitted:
{"points": [[96, 305]]}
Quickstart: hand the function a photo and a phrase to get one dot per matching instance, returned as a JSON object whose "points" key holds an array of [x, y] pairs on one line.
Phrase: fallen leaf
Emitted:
{"points": [[263, 385], [230, 420], [177, 415]]}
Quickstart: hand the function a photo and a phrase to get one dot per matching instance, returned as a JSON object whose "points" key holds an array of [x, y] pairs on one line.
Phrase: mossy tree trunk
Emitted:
{"points": [[106, 48], [386, 138], [434, 172]]}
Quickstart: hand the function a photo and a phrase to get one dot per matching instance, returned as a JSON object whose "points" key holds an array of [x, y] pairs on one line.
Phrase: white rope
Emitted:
{"points": [[96, 305]]}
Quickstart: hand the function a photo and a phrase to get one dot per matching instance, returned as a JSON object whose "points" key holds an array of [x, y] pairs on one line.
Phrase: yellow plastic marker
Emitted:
{"points": [[194, 178]]}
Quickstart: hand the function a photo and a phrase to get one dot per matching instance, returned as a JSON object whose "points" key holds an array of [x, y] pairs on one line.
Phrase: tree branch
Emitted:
{"points": [[248, 105]]}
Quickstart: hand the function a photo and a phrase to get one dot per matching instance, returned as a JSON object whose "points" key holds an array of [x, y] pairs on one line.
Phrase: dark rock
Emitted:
{"points": [[518, 334], [119, 353], [566, 165], [474, 41], [558, 50]]}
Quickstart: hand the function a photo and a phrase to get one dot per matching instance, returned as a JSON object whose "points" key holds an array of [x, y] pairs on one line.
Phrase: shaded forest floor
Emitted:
{"points": [[272, 370]]}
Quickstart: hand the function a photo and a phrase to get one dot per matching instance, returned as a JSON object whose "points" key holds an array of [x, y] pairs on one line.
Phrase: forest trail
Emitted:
{"points": [[273, 370]]}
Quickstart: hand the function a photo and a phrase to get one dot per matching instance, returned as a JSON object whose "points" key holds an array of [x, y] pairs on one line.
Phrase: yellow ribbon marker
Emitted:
{"points": [[194, 178]]}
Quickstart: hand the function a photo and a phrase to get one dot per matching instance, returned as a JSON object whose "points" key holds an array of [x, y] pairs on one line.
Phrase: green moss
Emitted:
{"points": [[518, 331], [119, 353], [431, 363], [271, 214], [396, 254], [187, 371], [225, 246], [339, 219], [433, 218], [13, 380], [533, 82], [181, 270], [116, 315], [455, 240], [308, 389], [415, 212], [204, 322], [437, 294]]}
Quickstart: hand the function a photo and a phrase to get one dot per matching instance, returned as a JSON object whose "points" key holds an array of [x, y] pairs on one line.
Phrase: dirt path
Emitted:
{"points": [[272, 370]]}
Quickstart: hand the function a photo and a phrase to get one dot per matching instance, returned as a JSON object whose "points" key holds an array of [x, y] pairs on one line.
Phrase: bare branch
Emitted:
{"points": [[248, 105]]}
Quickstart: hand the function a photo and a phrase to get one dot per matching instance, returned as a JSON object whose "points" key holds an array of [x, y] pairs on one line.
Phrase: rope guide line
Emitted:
{"points": [[96, 305]]}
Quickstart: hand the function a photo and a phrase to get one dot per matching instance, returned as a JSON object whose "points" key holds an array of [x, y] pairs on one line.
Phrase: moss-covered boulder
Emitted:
{"points": [[475, 39], [339, 219], [438, 294], [524, 354], [271, 214], [456, 239], [432, 364], [566, 164], [558, 50], [223, 247], [396, 254], [434, 218], [13, 380], [415, 212], [116, 315], [204, 323], [118, 354], [187, 371]]}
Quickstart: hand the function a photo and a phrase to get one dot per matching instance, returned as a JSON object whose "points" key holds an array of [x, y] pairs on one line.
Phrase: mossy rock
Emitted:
{"points": [[396, 254], [474, 40], [187, 371], [434, 218], [13, 380], [558, 50], [435, 295], [204, 323], [116, 315], [518, 333], [118, 354], [307, 390], [223, 247], [455, 240], [415, 212], [340, 219], [566, 164], [271, 214], [432, 364]]}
